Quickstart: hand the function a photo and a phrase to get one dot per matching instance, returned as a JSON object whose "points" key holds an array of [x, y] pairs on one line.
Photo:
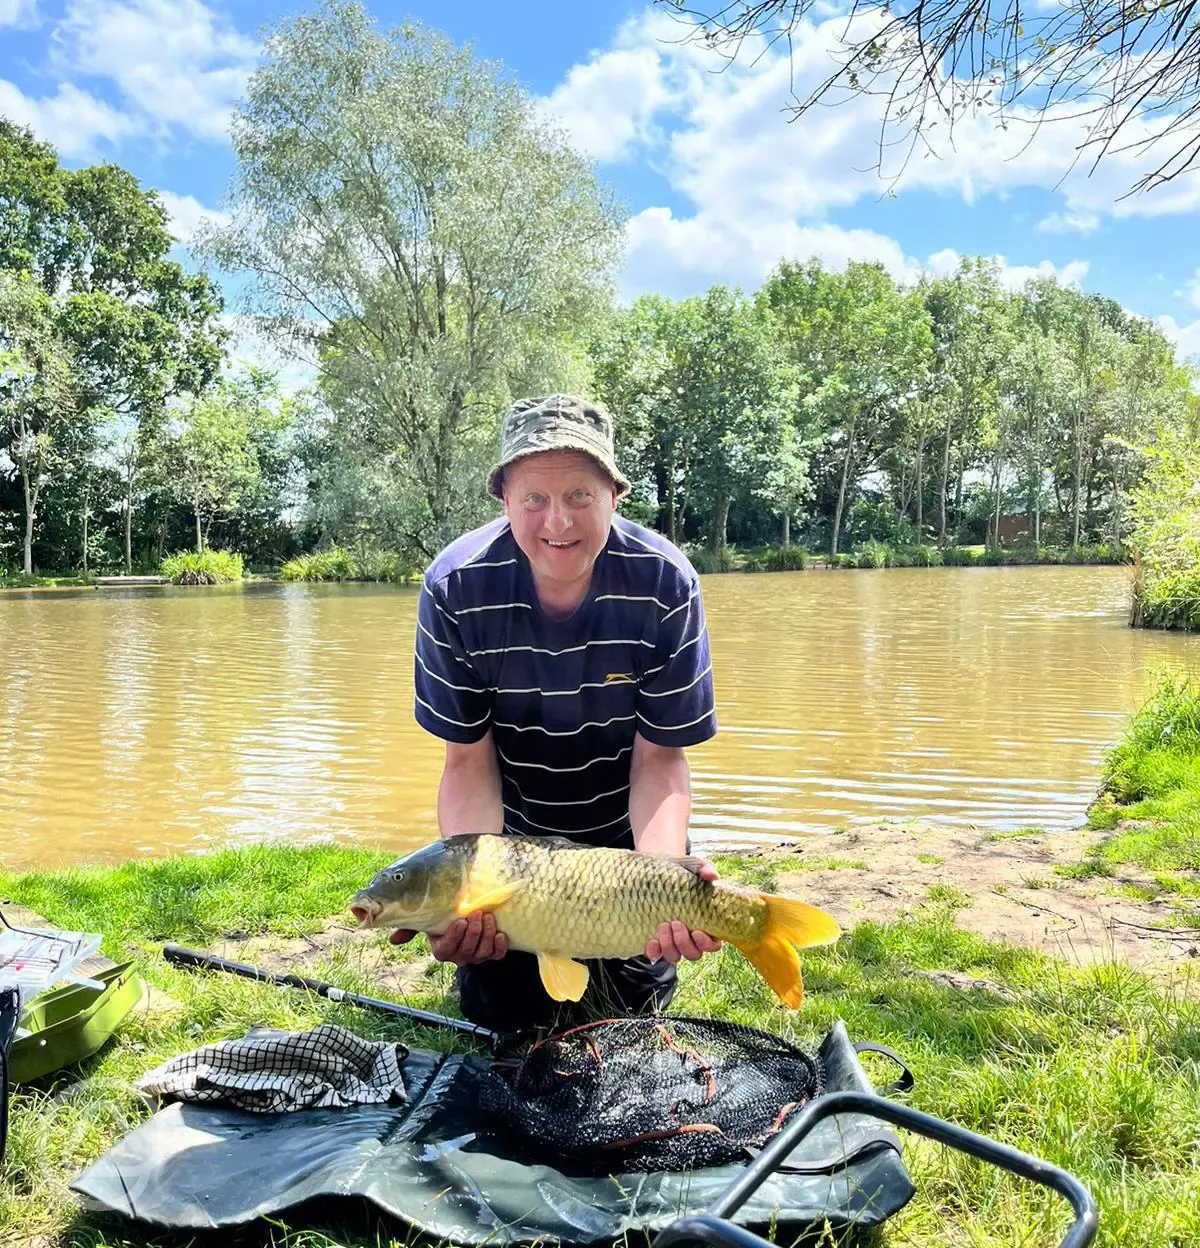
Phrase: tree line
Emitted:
{"points": [[404, 221]]}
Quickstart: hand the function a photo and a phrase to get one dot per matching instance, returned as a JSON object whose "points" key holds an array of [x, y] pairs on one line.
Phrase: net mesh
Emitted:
{"points": [[649, 1093]]}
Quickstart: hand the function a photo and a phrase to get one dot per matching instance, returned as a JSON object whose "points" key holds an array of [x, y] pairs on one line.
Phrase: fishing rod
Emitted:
{"points": [[183, 956]]}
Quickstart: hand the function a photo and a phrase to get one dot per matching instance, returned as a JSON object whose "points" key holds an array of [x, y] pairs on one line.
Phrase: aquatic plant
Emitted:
{"points": [[211, 567]]}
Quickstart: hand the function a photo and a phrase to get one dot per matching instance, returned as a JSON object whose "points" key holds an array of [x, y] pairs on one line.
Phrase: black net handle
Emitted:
{"points": [[715, 1230], [907, 1079]]}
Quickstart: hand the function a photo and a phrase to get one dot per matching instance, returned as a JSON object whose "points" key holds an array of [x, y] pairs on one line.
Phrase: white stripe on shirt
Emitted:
{"points": [[459, 722], [512, 762], [493, 606], [672, 727], [574, 732], [587, 801], [631, 598], [448, 684], [445, 645], [435, 602], [680, 607], [666, 693], [565, 831], [616, 641]]}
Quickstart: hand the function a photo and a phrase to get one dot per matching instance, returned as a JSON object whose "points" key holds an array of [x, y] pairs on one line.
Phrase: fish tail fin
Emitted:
{"points": [[790, 925]]}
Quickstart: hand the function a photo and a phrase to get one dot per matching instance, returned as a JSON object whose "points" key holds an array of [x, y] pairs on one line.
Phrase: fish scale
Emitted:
{"points": [[563, 901]]}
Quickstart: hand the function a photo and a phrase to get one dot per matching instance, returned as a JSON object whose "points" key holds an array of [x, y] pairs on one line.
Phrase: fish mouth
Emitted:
{"points": [[365, 911]]}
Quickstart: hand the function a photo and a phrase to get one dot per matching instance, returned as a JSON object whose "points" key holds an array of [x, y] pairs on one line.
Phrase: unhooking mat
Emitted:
{"points": [[429, 1163]]}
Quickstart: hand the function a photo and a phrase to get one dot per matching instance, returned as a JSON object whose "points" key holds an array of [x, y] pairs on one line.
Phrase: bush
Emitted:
{"points": [[873, 555], [786, 559], [705, 560], [213, 567], [926, 557], [958, 557], [337, 564], [1169, 600]]}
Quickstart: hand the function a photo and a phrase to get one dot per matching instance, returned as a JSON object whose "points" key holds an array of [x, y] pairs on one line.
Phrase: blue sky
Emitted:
{"points": [[718, 183]]}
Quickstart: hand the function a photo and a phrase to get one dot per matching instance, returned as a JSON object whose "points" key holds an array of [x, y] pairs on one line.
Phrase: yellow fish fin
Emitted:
{"points": [[485, 898], [564, 978], [790, 925]]}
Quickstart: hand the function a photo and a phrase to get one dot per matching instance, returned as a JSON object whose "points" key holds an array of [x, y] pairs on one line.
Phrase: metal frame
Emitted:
{"points": [[715, 1230]]}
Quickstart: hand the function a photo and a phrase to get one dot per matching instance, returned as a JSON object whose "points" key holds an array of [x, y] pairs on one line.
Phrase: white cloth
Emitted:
{"points": [[274, 1072]]}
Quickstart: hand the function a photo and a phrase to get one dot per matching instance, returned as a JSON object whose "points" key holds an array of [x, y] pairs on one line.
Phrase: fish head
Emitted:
{"points": [[419, 891]]}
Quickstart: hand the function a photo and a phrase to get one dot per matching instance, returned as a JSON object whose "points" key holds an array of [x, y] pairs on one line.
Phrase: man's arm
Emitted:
{"points": [[469, 800], [660, 803], [469, 794]]}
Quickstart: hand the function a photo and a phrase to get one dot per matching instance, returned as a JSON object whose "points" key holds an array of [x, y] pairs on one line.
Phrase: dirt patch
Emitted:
{"points": [[365, 948], [1006, 889]]}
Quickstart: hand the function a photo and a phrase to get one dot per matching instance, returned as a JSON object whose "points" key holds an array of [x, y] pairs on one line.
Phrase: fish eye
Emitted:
{"points": [[397, 876]]}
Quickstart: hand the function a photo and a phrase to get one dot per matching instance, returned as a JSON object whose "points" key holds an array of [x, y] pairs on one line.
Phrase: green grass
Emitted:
{"points": [[931, 859], [337, 564], [1013, 834], [210, 567], [1150, 797], [1093, 1069]]}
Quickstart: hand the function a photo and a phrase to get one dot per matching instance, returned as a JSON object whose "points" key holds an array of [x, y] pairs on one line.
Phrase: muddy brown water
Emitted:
{"points": [[137, 722]]}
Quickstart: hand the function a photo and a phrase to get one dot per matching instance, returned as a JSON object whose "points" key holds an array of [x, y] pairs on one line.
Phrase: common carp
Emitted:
{"points": [[562, 901]]}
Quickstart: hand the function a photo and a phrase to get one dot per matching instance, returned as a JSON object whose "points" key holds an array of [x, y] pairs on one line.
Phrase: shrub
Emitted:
{"points": [[786, 559], [926, 557], [705, 560], [212, 567], [337, 564], [873, 555], [958, 557]]}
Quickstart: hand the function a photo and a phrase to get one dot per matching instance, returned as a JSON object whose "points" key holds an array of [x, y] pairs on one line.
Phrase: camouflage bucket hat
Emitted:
{"points": [[557, 422]]}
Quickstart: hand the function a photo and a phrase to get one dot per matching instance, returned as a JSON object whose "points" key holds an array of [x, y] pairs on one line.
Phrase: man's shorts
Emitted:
{"points": [[508, 995]]}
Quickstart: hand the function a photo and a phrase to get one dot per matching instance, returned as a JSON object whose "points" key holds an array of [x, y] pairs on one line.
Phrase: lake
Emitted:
{"points": [[137, 722]]}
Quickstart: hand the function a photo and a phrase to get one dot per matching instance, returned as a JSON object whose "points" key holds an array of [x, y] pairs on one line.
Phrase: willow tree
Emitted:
{"points": [[412, 226]]}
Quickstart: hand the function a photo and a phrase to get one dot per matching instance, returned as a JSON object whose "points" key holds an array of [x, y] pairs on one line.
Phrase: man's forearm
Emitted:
{"points": [[660, 800], [469, 795]]}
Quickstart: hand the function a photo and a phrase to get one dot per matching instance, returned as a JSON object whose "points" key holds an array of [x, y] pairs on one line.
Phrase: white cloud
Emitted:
{"points": [[186, 213], [74, 121], [1192, 291], [607, 105], [1068, 223], [1012, 276], [175, 63], [729, 140], [1185, 337], [247, 345], [19, 13]]}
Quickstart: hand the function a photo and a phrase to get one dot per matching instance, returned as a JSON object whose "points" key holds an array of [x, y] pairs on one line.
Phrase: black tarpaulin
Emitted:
{"points": [[431, 1163]]}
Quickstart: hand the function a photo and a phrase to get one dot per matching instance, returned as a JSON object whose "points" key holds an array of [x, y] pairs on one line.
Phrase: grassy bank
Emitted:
{"points": [[884, 555], [337, 564], [1093, 1069], [1150, 796]]}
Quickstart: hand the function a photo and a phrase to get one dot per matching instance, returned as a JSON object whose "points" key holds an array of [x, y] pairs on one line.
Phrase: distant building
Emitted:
{"points": [[1013, 526]]}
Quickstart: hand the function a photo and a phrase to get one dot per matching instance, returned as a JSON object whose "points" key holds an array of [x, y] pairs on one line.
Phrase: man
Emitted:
{"points": [[562, 654]]}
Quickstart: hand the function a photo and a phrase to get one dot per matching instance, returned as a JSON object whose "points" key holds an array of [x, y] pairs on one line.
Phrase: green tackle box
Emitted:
{"points": [[67, 1024]]}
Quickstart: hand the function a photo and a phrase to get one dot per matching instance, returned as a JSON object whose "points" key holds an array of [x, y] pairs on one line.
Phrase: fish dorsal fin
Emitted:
{"points": [[563, 978], [692, 864], [488, 897]]}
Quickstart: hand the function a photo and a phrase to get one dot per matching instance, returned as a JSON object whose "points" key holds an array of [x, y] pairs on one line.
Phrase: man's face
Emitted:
{"points": [[560, 506]]}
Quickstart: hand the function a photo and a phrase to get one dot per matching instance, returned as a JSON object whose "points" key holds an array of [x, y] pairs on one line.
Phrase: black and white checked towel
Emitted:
{"points": [[273, 1072]]}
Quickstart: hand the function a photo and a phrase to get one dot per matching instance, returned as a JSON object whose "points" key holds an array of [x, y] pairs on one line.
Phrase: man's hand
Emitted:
{"points": [[465, 942], [674, 941]]}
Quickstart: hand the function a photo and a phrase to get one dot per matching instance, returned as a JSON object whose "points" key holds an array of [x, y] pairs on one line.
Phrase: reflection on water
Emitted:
{"points": [[141, 721]]}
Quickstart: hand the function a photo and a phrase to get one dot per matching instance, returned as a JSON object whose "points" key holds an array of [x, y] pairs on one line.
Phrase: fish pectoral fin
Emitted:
{"points": [[486, 899], [563, 978]]}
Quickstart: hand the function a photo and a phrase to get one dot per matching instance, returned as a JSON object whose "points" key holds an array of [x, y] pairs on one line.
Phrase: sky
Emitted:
{"points": [[718, 182]]}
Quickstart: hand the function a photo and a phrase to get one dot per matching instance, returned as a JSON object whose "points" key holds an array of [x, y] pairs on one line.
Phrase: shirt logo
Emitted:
{"points": [[619, 678]]}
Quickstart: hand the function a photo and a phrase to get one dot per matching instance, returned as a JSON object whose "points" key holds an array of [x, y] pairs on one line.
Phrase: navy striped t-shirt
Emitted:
{"points": [[564, 698]]}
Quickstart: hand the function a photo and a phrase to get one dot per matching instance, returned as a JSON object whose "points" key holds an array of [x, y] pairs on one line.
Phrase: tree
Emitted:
{"points": [[863, 348], [38, 411], [1125, 75], [141, 330], [215, 451], [410, 224]]}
